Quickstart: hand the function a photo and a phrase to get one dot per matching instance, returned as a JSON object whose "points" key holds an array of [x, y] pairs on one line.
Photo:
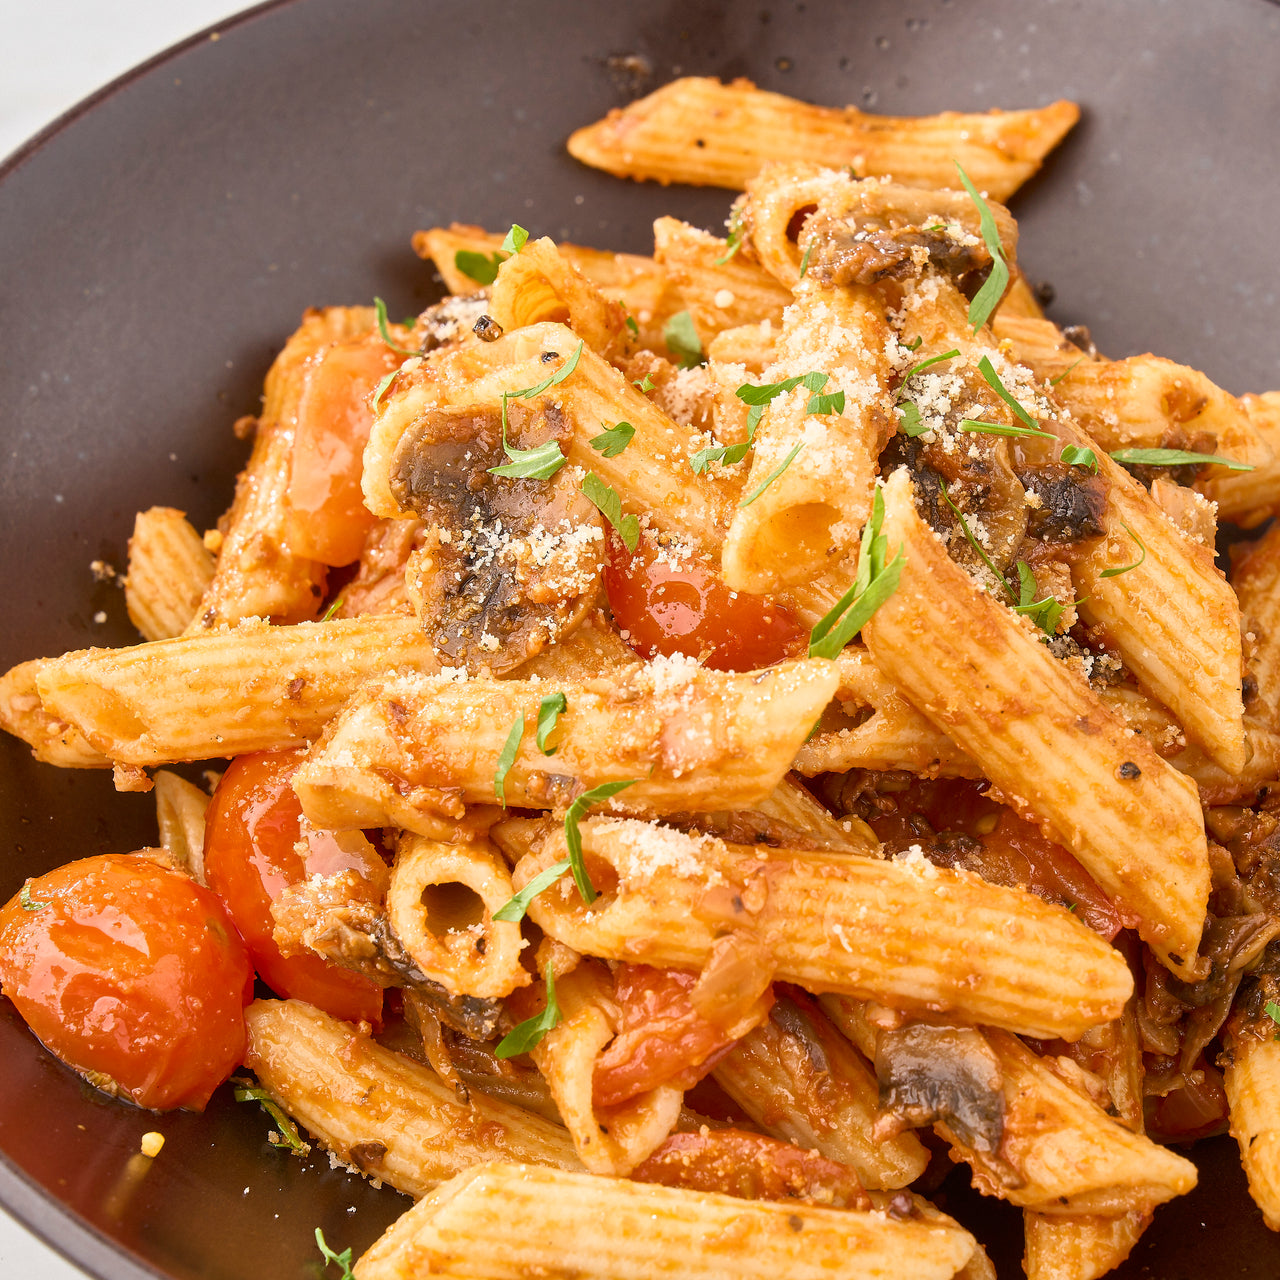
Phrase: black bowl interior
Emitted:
{"points": [[157, 247]]}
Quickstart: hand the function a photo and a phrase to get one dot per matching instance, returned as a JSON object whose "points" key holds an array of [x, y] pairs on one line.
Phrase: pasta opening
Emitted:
{"points": [[450, 909], [797, 538]]}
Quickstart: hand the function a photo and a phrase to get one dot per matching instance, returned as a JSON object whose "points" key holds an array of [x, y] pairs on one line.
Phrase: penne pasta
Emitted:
{"points": [[1061, 1247], [169, 572], [1252, 1082]]}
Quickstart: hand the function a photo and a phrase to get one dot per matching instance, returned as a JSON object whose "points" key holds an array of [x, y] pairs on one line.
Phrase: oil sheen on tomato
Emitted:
{"points": [[253, 851], [667, 604], [131, 973]]}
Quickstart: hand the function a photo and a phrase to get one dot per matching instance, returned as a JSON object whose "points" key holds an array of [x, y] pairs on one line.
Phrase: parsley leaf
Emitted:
{"points": [[914, 346], [778, 470], [342, 1259], [515, 239], [613, 439], [604, 497], [27, 902], [988, 297], [643, 384], [874, 583], [289, 1137], [832, 402], [1044, 613], [733, 242], [975, 544], [333, 608], [1053, 382], [507, 759], [1174, 458], [1076, 456], [988, 371], [381, 389], [759, 395], [573, 837], [544, 461], [635, 328], [1116, 572], [911, 423], [380, 308], [804, 262], [515, 907], [480, 267], [549, 710], [528, 1035], [974, 426], [1272, 1010], [682, 340], [925, 364]]}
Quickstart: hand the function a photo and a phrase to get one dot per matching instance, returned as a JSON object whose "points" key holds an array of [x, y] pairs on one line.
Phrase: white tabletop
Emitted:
{"points": [[53, 53]]}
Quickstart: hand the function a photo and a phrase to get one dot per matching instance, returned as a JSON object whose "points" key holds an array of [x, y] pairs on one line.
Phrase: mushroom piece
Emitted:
{"points": [[932, 1074], [507, 565]]}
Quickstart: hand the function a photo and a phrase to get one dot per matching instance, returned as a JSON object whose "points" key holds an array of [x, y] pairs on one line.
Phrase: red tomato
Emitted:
{"points": [[127, 969], [1196, 1111], [328, 518], [662, 1038], [684, 607], [252, 831]]}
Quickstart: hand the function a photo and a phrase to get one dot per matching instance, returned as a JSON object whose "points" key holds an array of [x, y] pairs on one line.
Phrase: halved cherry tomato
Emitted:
{"points": [[328, 519], [132, 974], [666, 605], [1196, 1111], [251, 855], [662, 1038]]}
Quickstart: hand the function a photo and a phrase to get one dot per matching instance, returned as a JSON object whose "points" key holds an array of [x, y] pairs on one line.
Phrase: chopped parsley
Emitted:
{"points": [[483, 267], [911, 423], [613, 439], [974, 426], [507, 759], [779, 469], [1116, 572], [287, 1135], [914, 346], [1053, 382], [988, 297], [528, 1035], [976, 545], [342, 1259], [757, 397], [1044, 613], [992, 379], [515, 239], [604, 497], [682, 340], [635, 328], [27, 902], [515, 907], [544, 461], [804, 262], [573, 837], [333, 608], [643, 384], [381, 389], [1272, 1010], [874, 584], [1076, 456], [380, 308], [1174, 458], [549, 710], [734, 240]]}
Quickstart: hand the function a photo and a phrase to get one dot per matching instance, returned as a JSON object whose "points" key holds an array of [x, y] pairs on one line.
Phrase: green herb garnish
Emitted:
{"points": [[914, 346], [635, 328], [573, 837], [604, 497], [988, 297], [758, 396], [825, 402], [1044, 613], [1053, 382], [682, 340], [342, 1259], [1272, 1010], [874, 584], [911, 423], [515, 239], [288, 1135], [804, 262], [483, 267], [381, 389], [1115, 573], [1174, 458], [976, 545], [643, 384], [515, 907], [528, 1035], [778, 470], [333, 608], [733, 241], [507, 759], [974, 426], [27, 902], [992, 379], [544, 461], [1076, 456], [613, 439], [381, 308], [924, 364], [549, 710]]}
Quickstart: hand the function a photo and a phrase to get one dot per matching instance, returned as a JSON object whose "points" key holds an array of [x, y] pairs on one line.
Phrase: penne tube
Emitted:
{"points": [[1252, 1082], [50, 738], [1256, 580], [1042, 736], [440, 904], [905, 933], [1247, 498], [813, 465], [706, 133], [749, 345], [509, 1222], [1019, 301], [381, 1113], [687, 738], [799, 1079], [180, 810], [1084, 1247], [609, 1140], [222, 693], [258, 574], [169, 572]]}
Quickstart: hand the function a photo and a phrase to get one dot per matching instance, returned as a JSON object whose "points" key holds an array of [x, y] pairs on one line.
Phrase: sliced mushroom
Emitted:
{"points": [[1071, 503], [929, 1074], [507, 566]]}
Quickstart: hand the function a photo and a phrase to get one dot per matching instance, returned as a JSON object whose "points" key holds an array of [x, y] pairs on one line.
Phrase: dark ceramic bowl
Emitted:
{"points": [[159, 243]]}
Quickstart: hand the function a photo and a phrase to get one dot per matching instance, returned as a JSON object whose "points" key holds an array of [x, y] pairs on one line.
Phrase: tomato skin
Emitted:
{"points": [[328, 519], [665, 607], [251, 830], [131, 970]]}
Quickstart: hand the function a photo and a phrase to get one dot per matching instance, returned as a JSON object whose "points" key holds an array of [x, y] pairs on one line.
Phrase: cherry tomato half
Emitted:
{"points": [[668, 605], [251, 855], [130, 971], [328, 519]]}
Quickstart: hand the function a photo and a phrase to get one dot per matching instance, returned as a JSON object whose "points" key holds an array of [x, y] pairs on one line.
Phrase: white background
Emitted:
{"points": [[52, 54]]}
